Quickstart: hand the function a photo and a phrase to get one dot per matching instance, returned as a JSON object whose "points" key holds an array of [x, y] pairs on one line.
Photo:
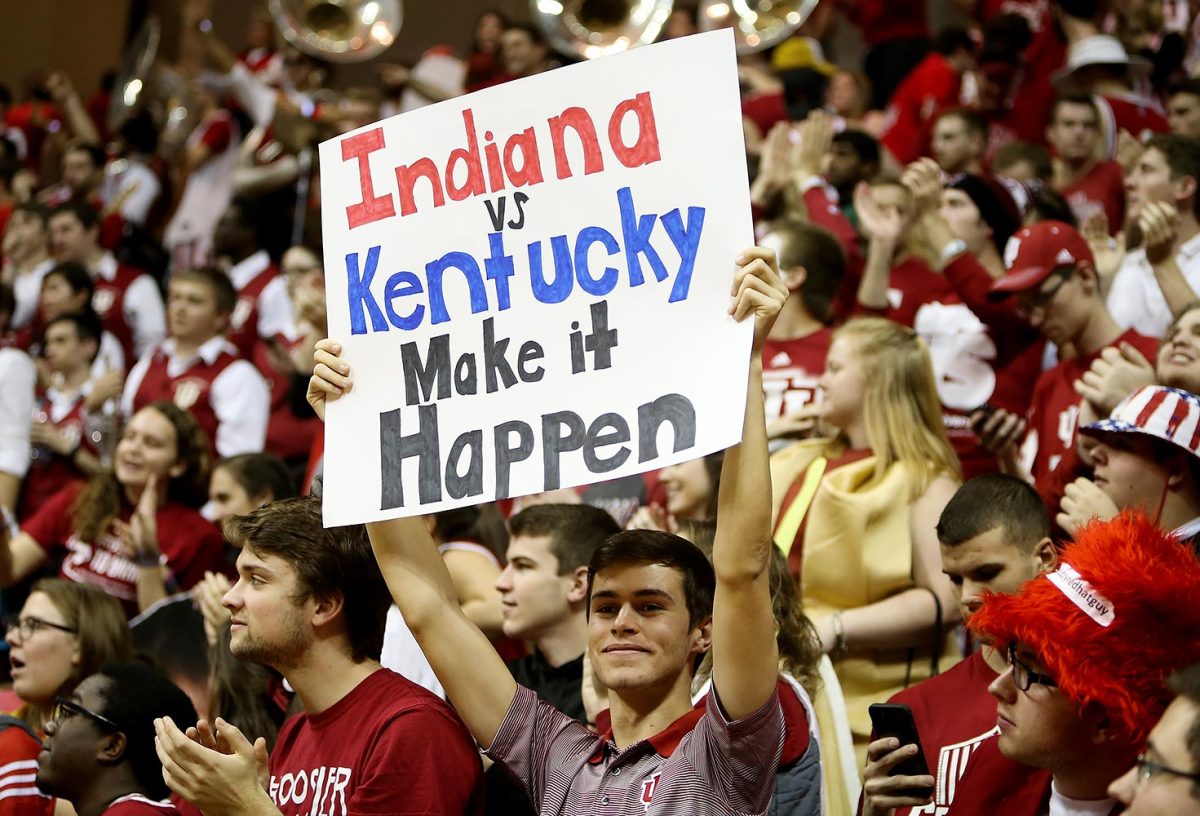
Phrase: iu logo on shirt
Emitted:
{"points": [[102, 301], [187, 391], [648, 788], [240, 312]]}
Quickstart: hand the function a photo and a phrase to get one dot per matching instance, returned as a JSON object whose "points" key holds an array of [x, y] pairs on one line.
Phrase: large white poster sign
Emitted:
{"points": [[531, 283]]}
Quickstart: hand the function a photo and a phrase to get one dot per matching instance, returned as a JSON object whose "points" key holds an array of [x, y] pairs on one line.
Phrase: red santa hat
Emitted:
{"points": [[1120, 613]]}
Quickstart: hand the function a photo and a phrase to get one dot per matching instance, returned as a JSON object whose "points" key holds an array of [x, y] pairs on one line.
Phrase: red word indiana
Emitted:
{"points": [[483, 166]]}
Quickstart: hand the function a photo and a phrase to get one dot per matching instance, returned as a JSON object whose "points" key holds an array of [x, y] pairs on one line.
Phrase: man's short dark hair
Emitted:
{"points": [[1037, 156], [865, 146], [84, 213], [1186, 683], [134, 696], [87, 326], [334, 561], [1190, 85], [95, 152], [1074, 99], [575, 531], [972, 121], [953, 38], [33, 208], [822, 256], [75, 275], [216, 280], [1048, 204], [990, 501], [655, 547], [1183, 158]]}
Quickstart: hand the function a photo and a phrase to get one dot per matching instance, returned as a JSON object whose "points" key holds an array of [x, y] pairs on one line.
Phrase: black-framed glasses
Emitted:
{"points": [[26, 627], [1038, 299], [1147, 768], [64, 709], [1023, 677]]}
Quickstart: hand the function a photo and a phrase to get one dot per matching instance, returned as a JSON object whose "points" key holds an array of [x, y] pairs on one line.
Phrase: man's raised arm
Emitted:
{"points": [[745, 656], [476, 680]]}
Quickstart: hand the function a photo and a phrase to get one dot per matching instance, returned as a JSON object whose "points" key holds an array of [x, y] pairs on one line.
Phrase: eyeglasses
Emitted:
{"points": [[64, 709], [300, 269], [27, 626], [1147, 768], [1039, 299], [1023, 677]]}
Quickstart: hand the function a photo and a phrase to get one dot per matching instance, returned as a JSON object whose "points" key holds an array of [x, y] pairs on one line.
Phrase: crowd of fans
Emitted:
{"points": [[972, 434]]}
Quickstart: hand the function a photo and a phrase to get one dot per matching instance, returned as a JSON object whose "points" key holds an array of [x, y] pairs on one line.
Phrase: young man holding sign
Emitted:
{"points": [[652, 614]]}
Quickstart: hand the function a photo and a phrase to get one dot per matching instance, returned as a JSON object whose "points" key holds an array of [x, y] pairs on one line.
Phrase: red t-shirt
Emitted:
{"points": [[912, 284], [387, 747], [19, 795], [995, 784], [135, 804], [982, 353], [791, 369], [191, 545], [954, 715], [1054, 411], [931, 86], [1101, 190]]}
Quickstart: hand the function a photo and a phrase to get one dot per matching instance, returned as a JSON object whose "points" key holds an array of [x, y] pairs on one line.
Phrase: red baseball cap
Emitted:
{"points": [[1037, 250]]}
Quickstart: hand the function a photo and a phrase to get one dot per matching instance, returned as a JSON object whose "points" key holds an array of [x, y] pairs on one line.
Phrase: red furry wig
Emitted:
{"points": [[1119, 615]]}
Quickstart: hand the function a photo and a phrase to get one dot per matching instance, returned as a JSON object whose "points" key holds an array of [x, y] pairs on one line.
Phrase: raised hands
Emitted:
{"points": [[1159, 222], [757, 289], [923, 178], [878, 223], [652, 517], [1116, 373], [1107, 250], [215, 768], [207, 596], [1082, 502], [330, 378], [816, 134], [139, 535]]}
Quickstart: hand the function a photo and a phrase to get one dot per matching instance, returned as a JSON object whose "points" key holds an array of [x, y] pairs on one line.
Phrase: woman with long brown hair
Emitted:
{"points": [[134, 529]]}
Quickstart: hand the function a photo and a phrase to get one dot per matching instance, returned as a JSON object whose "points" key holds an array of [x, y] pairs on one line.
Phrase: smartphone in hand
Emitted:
{"points": [[896, 720]]}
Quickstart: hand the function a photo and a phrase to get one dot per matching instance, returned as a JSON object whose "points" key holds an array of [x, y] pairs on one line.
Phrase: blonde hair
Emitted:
{"points": [[901, 412]]}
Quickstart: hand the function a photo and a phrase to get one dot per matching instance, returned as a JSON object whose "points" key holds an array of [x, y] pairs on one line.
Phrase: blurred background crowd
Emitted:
{"points": [[986, 211]]}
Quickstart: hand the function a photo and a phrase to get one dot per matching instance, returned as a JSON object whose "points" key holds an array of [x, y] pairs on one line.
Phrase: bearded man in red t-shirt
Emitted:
{"points": [[311, 603]]}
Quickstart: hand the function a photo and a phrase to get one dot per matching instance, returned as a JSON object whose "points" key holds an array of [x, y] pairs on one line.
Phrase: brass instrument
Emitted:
{"points": [[593, 28], [757, 24], [339, 30], [145, 83]]}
